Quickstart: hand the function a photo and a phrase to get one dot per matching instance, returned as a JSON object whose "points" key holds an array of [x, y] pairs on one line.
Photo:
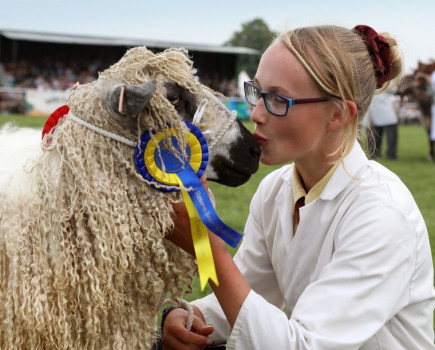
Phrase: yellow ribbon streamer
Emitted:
{"points": [[201, 243]]}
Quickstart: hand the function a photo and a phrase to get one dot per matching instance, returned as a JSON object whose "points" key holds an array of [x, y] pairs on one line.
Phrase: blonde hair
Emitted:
{"points": [[338, 61]]}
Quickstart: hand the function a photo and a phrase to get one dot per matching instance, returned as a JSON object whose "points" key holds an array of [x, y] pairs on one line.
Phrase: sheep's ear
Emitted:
{"points": [[132, 100]]}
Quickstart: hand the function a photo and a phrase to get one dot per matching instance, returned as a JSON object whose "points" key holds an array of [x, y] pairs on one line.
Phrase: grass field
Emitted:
{"points": [[413, 167]]}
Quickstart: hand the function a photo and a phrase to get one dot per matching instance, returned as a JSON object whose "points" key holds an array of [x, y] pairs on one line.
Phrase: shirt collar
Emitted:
{"points": [[314, 193]]}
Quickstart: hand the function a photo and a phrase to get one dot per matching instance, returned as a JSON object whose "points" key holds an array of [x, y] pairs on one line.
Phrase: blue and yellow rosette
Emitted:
{"points": [[158, 164]]}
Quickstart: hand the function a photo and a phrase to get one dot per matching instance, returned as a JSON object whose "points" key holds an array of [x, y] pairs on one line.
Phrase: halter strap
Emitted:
{"points": [[101, 131], [196, 119]]}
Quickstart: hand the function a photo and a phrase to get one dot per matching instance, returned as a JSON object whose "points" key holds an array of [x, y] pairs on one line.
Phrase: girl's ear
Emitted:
{"points": [[342, 115]]}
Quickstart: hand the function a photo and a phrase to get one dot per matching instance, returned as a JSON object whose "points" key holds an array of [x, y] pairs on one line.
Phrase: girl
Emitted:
{"points": [[350, 269]]}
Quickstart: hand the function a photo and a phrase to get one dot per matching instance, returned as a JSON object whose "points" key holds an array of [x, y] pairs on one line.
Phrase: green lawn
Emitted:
{"points": [[23, 121], [413, 167]]}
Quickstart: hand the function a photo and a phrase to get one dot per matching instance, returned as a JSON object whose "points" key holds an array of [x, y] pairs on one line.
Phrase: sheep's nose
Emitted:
{"points": [[255, 151]]}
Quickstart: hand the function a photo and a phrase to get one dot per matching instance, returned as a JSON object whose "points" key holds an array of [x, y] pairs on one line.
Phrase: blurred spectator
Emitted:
{"points": [[224, 85], [432, 129], [382, 116], [228, 88], [2, 75], [420, 90], [8, 77], [409, 112], [12, 102], [425, 97]]}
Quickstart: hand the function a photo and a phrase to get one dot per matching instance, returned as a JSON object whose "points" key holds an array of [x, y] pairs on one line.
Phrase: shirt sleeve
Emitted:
{"points": [[253, 256], [252, 259]]}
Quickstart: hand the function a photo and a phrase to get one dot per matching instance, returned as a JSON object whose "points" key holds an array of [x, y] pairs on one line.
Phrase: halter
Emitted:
{"points": [[196, 120], [101, 131]]}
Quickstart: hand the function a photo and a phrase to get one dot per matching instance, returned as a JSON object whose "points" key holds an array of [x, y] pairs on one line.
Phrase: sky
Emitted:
{"points": [[412, 23]]}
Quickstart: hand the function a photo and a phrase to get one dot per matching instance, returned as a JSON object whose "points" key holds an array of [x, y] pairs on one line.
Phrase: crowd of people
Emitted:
{"points": [[49, 74]]}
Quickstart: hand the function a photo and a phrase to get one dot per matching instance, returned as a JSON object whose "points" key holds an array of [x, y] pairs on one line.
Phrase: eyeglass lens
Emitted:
{"points": [[275, 104]]}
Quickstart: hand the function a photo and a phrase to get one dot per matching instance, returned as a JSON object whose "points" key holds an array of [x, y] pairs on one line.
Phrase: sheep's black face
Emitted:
{"points": [[234, 155], [235, 158], [182, 100]]}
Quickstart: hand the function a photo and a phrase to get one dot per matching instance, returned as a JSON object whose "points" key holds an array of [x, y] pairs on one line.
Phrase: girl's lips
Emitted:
{"points": [[261, 140]]}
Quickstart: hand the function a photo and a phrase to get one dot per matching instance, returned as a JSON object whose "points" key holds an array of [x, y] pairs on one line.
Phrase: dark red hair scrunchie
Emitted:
{"points": [[379, 50]]}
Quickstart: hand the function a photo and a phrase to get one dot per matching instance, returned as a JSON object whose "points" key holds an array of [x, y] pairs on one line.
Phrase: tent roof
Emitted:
{"points": [[112, 41]]}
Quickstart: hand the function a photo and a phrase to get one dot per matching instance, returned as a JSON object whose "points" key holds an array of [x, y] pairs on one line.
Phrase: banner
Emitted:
{"points": [[44, 102]]}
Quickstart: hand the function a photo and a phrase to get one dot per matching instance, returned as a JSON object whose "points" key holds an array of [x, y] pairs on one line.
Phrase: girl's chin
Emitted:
{"points": [[270, 159]]}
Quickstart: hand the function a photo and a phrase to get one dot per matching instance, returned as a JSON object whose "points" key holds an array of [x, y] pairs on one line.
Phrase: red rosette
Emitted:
{"points": [[54, 118]]}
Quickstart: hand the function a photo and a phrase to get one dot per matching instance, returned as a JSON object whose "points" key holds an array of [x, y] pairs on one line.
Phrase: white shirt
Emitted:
{"points": [[357, 274], [382, 110]]}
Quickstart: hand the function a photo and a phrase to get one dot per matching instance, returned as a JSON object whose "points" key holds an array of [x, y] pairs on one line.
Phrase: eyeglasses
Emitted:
{"points": [[275, 104]]}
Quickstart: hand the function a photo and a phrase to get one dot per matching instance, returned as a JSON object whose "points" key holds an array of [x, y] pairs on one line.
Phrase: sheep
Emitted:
{"points": [[83, 257]]}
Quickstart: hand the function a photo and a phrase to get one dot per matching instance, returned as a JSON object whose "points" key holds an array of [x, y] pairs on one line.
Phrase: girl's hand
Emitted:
{"points": [[176, 336], [182, 236]]}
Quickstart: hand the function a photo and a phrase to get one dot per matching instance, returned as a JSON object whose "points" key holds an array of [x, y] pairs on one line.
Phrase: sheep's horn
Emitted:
{"points": [[134, 98]]}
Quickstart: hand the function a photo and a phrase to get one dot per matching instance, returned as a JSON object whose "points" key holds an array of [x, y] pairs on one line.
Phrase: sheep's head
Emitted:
{"points": [[146, 91]]}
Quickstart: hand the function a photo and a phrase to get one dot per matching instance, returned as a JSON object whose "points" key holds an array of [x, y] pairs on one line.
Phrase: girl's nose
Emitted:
{"points": [[259, 112]]}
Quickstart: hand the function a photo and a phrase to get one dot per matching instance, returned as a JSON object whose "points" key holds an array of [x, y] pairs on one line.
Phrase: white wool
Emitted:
{"points": [[19, 147]]}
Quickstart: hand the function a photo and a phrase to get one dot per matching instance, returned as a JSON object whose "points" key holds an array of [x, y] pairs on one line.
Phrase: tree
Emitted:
{"points": [[255, 35]]}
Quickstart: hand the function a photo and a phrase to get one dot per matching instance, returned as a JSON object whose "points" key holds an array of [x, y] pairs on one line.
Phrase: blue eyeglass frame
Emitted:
{"points": [[289, 101]]}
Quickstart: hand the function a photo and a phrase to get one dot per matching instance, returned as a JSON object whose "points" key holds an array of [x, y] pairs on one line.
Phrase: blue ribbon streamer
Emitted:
{"points": [[205, 209], [189, 179]]}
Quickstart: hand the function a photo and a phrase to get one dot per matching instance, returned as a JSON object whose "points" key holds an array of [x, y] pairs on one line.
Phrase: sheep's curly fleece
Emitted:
{"points": [[83, 259]]}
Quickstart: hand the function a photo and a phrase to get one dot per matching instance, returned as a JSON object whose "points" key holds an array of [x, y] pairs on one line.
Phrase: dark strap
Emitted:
{"points": [[299, 203]]}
